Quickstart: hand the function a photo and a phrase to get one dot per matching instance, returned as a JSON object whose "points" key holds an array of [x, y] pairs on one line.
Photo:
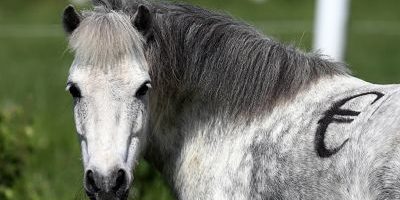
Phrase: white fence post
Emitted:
{"points": [[331, 27]]}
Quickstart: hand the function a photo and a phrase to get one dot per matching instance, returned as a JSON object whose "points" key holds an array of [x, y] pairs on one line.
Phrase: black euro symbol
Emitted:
{"points": [[337, 115]]}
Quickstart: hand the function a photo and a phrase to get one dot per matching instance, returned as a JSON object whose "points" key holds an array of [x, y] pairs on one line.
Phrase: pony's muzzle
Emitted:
{"points": [[113, 186]]}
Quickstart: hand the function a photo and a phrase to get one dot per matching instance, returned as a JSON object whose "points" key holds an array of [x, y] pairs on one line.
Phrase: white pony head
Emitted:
{"points": [[109, 81]]}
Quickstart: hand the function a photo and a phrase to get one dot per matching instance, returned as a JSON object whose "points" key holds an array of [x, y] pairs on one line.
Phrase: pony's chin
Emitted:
{"points": [[107, 196]]}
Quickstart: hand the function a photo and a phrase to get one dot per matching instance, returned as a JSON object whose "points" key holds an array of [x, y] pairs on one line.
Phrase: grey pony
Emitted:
{"points": [[236, 115]]}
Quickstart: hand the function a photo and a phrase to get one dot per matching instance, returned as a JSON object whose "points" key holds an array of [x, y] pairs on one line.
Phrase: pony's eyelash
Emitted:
{"points": [[74, 90], [68, 86], [143, 89]]}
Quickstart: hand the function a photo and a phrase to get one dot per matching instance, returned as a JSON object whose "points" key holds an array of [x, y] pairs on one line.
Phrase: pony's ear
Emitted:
{"points": [[143, 21], [71, 19]]}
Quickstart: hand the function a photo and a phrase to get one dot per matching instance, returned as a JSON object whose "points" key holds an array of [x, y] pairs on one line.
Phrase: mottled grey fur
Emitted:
{"points": [[234, 115]]}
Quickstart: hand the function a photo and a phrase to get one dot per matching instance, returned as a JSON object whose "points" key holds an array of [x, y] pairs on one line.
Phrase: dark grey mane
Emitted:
{"points": [[226, 64]]}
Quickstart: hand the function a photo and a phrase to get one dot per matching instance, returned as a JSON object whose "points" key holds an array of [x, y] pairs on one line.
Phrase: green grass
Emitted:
{"points": [[33, 71]]}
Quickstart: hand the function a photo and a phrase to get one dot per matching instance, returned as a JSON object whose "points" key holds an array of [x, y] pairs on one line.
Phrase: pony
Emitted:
{"points": [[222, 111]]}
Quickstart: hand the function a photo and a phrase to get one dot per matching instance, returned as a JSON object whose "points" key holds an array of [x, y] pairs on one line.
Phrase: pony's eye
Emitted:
{"points": [[74, 90], [143, 89]]}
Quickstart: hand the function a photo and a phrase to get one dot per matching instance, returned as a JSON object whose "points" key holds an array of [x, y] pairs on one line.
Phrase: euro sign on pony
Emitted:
{"points": [[223, 111]]}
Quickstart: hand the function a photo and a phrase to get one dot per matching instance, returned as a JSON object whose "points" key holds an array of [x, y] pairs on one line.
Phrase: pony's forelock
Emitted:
{"points": [[105, 38]]}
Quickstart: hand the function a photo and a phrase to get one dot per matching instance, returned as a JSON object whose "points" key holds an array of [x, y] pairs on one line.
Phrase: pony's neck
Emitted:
{"points": [[207, 66]]}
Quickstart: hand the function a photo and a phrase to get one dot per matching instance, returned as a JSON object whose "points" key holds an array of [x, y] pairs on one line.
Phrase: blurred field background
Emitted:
{"points": [[39, 152]]}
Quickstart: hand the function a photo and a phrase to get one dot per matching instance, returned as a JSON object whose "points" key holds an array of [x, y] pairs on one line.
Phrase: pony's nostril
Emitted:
{"points": [[116, 182], [121, 180], [91, 182]]}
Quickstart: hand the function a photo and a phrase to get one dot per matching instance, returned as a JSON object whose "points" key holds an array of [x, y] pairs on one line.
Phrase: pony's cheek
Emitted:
{"points": [[80, 116], [138, 118], [85, 153], [134, 150]]}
